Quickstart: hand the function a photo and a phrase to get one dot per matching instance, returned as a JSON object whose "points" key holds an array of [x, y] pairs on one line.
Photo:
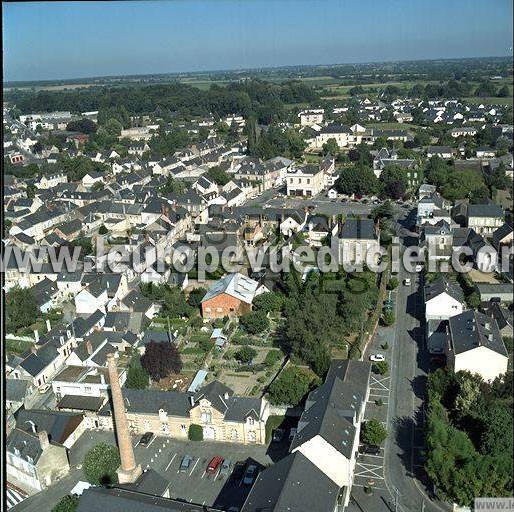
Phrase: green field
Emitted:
{"points": [[489, 100]]}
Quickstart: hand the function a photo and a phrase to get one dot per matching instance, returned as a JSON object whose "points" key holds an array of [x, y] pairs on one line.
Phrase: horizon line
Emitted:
{"points": [[253, 69]]}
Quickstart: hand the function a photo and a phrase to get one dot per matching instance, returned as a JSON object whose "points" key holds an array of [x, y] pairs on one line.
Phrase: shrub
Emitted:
{"points": [[272, 357], [393, 283], [67, 504], [388, 317], [373, 432], [381, 367], [255, 322], [195, 432], [245, 355]]}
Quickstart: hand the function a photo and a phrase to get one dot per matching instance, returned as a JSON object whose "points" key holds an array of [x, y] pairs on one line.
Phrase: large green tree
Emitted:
{"points": [[101, 463], [21, 308], [291, 386]]}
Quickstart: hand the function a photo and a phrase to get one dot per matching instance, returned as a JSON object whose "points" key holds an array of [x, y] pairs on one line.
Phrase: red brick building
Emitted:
{"points": [[230, 296]]}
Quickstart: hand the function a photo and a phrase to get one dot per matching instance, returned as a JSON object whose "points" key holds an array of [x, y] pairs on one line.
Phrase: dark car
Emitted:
{"points": [[146, 438], [370, 449], [250, 474], [238, 471], [278, 435], [185, 464]]}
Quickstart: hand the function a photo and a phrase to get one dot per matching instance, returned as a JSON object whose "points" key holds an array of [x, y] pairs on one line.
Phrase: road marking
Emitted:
{"points": [[197, 461], [150, 443], [169, 463]]}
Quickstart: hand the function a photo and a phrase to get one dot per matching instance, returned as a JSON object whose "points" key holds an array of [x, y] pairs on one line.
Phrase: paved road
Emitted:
{"points": [[404, 475]]}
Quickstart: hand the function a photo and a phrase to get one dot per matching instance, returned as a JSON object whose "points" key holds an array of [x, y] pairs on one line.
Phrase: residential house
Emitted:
{"points": [[305, 181], [444, 152], [33, 461], [443, 299], [232, 295], [485, 219], [476, 346], [358, 241]]}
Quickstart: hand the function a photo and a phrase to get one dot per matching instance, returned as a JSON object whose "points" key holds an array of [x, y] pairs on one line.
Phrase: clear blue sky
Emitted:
{"points": [[46, 40]]}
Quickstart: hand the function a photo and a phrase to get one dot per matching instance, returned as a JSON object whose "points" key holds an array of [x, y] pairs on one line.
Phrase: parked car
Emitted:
{"points": [[370, 449], [146, 438], [226, 465], [292, 433], [238, 471], [278, 435], [376, 358], [213, 465], [407, 281], [185, 464], [250, 474]]}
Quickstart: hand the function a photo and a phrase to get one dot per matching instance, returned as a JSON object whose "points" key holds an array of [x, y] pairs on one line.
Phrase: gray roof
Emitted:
{"points": [[442, 285], [472, 329], [149, 482], [27, 444], [358, 229], [485, 210], [501, 233], [16, 389], [59, 425], [292, 484], [36, 363], [101, 499], [331, 409], [81, 402]]}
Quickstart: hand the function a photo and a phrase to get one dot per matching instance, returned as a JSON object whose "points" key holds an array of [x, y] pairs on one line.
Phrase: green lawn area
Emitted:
{"points": [[393, 126], [489, 100], [17, 347]]}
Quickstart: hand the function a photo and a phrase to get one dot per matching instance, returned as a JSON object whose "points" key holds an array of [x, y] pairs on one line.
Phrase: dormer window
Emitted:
{"points": [[250, 421]]}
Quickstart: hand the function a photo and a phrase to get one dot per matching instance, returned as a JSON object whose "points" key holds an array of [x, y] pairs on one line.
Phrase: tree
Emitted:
{"points": [[330, 147], [504, 92], [373, 432], [393, 283], [218, 175], [245, 355], [161, 359], [255, 322], [357, 179], [268, 302], [195, 297], [102, 230], [82, 125], [394, 181], [21, 308], [113, 127], [137, 376], [291, 386], [101, 463], [272, 357], [67, 504]]}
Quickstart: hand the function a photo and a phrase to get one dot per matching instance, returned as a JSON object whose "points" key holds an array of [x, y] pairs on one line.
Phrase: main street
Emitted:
{"points": [[404, 449]]}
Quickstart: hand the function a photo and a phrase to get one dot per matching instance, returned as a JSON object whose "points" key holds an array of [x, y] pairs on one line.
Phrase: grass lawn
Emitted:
{"points": [[17, 347]]}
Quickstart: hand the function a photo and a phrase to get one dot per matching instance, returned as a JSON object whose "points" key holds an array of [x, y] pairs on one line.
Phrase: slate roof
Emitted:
{"points": [[331, 409], [485, 210], [358, 229], [472, 329], [442, 285], [501, 233], [16, 389], [58, 425], [34, 364], [292, 484], [101, 499], [149, 482], [81, 403], [26, 443]]}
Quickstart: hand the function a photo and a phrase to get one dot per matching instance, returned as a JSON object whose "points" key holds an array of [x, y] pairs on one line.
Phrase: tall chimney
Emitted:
{"points": [[43, 439], [128, 472]]}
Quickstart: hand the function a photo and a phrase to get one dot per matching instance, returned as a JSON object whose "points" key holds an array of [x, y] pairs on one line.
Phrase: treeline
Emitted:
{"points": [[265, 100], [469, 436]]}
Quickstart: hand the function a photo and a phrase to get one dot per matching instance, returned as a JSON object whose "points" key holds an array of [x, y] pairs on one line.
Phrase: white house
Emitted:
{"points": [[443, 299], [476, 346]]}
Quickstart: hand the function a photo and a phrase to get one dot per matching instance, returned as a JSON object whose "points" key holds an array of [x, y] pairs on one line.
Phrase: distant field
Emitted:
{"points": [[489, 100]]}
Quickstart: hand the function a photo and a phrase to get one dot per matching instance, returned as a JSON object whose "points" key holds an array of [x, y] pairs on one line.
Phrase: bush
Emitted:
{"points": [[381, 367], [272, 357], [195, 432], [393, 283], [103, 230], [388, 317], [245, 355], [101, 463], [373, 432], [255, 322], [137, 377], [67, 504]]}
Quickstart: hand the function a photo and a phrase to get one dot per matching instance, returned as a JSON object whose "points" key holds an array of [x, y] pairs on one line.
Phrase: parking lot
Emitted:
{"points": [[164, 455]]}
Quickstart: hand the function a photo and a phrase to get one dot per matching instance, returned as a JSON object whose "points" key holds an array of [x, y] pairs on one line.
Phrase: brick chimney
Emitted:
{"points": [[43, 439], [128, 472], [89, 347]]}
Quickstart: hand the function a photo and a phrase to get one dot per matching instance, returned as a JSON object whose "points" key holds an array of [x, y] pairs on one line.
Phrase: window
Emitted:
{"points": [[87, 389], [251, 421], [207, 310], [183, 429], [219, 310], [206, 417]]}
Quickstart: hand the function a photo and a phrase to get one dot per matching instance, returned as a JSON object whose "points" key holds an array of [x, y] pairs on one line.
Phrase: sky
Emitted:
{"points": [[56, 40]]}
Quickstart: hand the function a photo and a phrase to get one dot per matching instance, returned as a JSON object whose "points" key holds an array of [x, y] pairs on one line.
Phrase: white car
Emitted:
{"points": [[419, 268], [407, 281], [376, 358]]}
